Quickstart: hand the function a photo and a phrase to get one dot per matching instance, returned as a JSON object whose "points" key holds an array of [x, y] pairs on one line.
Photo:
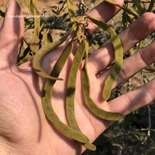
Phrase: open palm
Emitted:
{"points": [[24, 129]]}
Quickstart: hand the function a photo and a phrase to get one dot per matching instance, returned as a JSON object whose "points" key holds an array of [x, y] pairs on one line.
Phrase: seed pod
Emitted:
{"points": [[118, 57], [46, 100], [71, 87]]}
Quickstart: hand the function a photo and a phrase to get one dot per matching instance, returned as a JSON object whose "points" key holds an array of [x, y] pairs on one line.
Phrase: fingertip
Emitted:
{"points": [[11, 34], [104, 11], [13, 24], [138, 30], [149, 18]]}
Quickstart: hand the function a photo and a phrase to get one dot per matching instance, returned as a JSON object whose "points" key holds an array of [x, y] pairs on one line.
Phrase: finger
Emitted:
{"points": [[129, 37], [133, 100], [136, 62], [104, 11], [10, 35]]}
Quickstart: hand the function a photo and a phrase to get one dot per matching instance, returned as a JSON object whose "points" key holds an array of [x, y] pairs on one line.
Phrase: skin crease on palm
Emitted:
{"points": [[24, 129]]}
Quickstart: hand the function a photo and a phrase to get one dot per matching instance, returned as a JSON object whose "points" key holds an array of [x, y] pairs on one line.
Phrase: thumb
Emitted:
{"points": [[10, 34]]}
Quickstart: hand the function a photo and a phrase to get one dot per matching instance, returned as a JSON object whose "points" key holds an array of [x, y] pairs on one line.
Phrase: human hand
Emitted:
{"points": [[24, 129]]}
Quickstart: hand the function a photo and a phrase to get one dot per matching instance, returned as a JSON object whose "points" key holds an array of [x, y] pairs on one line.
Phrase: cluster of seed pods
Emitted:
{"points": [[79, 28]]}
